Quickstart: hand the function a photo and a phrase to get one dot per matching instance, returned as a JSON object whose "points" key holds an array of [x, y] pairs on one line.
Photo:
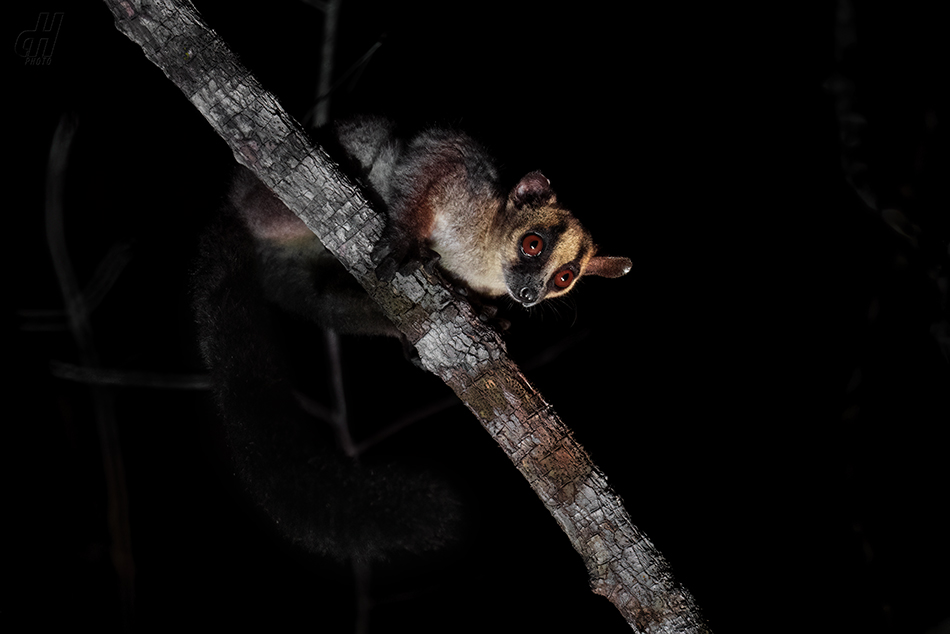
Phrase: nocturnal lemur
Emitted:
{"points": [[443, 201], [444, 205]]}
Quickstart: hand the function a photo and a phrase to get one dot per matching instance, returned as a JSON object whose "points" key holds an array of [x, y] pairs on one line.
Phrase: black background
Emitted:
{"points": [[711, 384]]}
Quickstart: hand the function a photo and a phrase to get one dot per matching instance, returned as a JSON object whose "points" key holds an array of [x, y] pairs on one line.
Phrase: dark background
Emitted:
{"points": [[763, 389]]}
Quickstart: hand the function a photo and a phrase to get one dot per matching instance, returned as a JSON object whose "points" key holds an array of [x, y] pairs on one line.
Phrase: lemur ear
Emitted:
{"points": [[607, 266], [533, 188]]}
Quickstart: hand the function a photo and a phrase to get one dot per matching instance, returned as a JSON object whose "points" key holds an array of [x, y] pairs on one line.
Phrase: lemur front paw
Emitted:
{"points": [[486, 313], [392, 254]]}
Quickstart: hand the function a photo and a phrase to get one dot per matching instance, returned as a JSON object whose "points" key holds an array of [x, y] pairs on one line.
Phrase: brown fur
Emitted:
{"points": [[441, 195]]}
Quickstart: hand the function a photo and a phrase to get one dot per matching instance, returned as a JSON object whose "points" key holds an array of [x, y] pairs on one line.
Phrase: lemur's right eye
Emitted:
{"points": [[563, 278], [532, 244]]}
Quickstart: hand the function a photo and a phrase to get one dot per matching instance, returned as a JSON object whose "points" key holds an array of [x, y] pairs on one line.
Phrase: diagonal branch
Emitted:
{"points": [[623, 565]]}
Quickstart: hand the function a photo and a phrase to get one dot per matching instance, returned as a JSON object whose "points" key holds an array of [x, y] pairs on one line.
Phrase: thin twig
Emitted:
{"points": [[104, 403]]}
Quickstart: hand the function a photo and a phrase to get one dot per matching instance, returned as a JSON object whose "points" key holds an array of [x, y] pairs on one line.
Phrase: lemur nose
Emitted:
{"points": [[528, 295]]}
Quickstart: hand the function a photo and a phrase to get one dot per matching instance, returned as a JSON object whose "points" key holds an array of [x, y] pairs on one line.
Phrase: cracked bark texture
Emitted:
{"points": [[623, 564]]}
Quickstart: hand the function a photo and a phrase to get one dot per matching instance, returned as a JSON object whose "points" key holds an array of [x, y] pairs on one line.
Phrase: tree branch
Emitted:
{"points": [[623, 565]]}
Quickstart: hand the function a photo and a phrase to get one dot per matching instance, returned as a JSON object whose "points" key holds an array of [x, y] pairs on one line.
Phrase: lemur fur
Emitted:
{"points": [[443, 202]]}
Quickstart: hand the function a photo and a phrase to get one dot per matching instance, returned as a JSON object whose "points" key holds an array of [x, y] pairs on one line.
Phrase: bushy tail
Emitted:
{"points": [[319, 498]]}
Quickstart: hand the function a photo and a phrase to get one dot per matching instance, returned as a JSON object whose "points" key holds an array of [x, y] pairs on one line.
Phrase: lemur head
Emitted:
{"points": [[548, 250]]}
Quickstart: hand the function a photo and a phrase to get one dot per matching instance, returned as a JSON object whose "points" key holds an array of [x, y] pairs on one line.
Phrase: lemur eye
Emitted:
{"points": [[532, 244], [563, 278]]}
